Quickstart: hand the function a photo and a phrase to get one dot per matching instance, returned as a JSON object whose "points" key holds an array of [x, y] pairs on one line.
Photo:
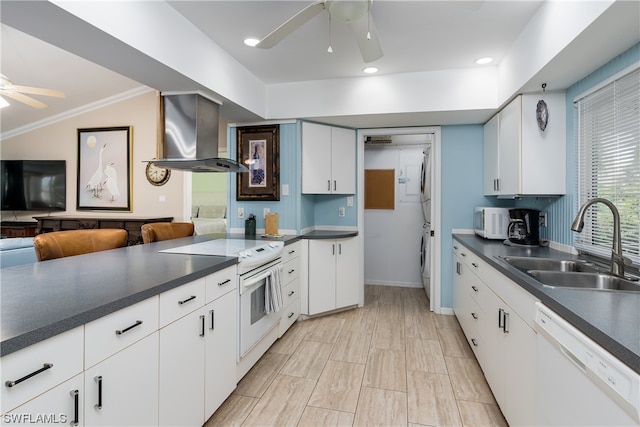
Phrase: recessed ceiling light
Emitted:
{"points": [[485, 60], [251, 42], [370, 70]]}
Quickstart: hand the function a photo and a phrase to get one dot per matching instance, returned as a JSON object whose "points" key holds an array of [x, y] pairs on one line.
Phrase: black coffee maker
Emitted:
{"points": [[524, 227]]}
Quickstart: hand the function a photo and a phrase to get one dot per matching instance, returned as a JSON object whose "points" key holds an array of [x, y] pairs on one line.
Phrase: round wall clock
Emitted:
{"points": [[156, 175], [542, 115]]}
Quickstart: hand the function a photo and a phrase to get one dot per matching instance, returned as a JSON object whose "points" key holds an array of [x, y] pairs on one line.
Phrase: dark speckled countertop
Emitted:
{"points": [[41, 300], [611, 319]]}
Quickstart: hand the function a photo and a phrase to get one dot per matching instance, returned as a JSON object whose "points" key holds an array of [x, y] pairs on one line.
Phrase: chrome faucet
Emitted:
{"points": [[617, 259]]}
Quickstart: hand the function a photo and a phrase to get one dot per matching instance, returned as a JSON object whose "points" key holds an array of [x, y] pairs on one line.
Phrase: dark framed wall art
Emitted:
{"points": [[104, 169], [259, 150]]}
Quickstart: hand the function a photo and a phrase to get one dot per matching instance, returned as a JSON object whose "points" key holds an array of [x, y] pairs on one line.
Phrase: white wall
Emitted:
{"points": [[60, 141]]}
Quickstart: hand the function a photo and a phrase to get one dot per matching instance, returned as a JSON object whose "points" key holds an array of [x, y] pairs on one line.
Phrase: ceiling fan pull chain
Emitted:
{"points": [[369, 19], [330, 49]]}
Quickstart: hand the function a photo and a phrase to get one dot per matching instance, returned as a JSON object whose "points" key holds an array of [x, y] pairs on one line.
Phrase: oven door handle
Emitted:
{"points": [[251, 281]]}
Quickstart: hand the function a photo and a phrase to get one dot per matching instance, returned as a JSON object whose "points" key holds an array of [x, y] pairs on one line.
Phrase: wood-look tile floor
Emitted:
{"points": [[389, 363]]}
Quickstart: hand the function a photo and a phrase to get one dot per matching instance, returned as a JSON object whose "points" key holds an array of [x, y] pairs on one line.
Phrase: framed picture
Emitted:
{"points": [[259, 150], [104, 169]]}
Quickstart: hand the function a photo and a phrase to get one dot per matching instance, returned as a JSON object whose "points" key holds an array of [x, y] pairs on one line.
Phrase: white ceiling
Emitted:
{"points": [[415, 36]]}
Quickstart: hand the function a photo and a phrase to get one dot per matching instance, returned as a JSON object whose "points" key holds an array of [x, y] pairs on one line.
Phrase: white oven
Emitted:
{"points": [[254, 321]]}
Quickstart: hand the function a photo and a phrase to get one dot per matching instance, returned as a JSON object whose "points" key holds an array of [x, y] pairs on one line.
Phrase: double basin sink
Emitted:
{"points": [[570, 273]]}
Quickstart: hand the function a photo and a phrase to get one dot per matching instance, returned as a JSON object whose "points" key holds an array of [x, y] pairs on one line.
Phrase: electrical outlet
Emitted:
{"points": [[240, 212], [341, 211], [349, 200], [265, 212]]}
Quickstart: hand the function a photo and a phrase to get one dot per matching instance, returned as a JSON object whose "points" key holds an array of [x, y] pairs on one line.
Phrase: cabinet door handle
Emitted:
{"points": [[98, 379], [339, 248], [120, 332], [291, 293], [202, 321], [45, 366], [505, 317], [191, 298], [224, 283], [213, 320], [474, 342], [334, 185], [498, 184], [500, 318], [333, 249], [328, 185], [475, 288], [475, 316], [289, 316], [457, 268], [76, 407]]}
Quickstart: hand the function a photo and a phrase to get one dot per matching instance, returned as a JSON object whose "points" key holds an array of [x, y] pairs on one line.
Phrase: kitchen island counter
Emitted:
{"points": [[43, 299], [609, 318]]}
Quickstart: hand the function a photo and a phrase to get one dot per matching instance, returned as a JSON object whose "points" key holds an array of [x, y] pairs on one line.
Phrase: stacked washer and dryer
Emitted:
{"points": [[425, 245]]}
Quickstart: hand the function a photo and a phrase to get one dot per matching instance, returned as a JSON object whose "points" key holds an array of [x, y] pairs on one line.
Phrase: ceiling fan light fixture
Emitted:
{"points": [[347, 10], [251, 42], [484, 60], [370, 70]]}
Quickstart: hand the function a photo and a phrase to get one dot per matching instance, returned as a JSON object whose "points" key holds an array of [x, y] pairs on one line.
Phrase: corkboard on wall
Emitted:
{"points": [[379, 189]]}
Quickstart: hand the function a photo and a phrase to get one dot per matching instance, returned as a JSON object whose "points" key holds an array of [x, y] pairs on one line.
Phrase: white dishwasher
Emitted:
{"points": [[578, 382]]}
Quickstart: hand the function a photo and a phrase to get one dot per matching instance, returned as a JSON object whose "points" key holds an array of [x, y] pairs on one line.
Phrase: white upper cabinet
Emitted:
{"points": [[520, 159], [328, 159]]}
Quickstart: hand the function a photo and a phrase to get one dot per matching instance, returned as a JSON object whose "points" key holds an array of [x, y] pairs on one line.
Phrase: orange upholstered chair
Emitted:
{"points": [[157, 231], [59, 244]]}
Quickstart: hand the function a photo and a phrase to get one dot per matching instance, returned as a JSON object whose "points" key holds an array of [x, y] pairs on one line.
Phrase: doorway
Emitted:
{"points": [[400, 244]]}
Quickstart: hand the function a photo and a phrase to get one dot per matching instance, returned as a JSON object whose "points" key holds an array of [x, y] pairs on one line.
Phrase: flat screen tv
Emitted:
{"points": [[33, 185]]}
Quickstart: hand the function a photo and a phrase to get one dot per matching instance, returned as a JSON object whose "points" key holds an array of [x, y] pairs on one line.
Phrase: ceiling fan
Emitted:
{"points": [[356, 13], [17, 92]]}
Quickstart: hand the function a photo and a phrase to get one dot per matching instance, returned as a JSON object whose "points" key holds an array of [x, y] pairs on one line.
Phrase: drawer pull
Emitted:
{"points": [[224, 283], [474, 342], [463, 254], [191, 298], [292, 252], [45, 366], [120, 332], [98, 379], [475, 316], [291, 293], [213, 320], [76, 407], [474, 264], [289, 316], [292, 270], [475, 288]]}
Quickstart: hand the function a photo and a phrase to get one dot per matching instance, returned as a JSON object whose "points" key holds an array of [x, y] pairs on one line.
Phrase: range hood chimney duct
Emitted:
{"points": [[191, 136]]}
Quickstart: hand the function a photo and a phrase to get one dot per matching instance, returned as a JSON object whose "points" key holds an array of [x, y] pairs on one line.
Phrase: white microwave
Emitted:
{"points": [[491, 223]]}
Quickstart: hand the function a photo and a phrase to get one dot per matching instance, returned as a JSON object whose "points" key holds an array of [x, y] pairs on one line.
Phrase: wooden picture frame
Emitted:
{"points": [[104, 169], [258, 148]]}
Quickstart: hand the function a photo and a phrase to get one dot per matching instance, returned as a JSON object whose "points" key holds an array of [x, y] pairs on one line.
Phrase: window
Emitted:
{"points": [[608, 124]]}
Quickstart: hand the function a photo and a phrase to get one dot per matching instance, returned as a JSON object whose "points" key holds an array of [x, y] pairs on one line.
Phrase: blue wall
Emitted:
{"points": [[461, 182], [295, 211]]}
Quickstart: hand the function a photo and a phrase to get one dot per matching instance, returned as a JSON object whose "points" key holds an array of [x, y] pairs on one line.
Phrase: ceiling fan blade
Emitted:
{"points": [[24, 99], [38, 91], [369, 48], [291, 25]]}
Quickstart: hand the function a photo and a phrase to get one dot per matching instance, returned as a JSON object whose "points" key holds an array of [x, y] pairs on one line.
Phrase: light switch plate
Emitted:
{"points": [[285, 189], [341, 211], [349, 200], [240, 212]]}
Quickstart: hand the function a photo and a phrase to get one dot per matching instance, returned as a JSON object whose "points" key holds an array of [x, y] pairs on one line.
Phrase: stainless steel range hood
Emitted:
{"points": [[191, 136]]}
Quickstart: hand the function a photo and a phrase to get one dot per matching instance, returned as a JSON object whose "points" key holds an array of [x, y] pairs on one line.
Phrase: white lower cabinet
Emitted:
{"points": [[122, 390], [503, 342], [333, 274], [62, 405]]}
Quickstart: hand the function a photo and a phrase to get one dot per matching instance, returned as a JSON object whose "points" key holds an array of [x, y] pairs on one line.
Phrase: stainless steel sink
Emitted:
{"points": [[584, 280], [549, 264]]}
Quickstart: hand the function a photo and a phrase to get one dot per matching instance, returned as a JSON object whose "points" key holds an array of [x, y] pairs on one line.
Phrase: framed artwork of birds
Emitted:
{"points": [[104, 169]]}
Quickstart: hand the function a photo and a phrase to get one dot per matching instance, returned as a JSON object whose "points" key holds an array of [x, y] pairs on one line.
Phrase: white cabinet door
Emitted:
{"points": [[62, 405], [347, 289], [316, 158], [509, 137], [220, 351], [491, 153], [122, 390], [322, 276], [343, 161], [181, 371]]}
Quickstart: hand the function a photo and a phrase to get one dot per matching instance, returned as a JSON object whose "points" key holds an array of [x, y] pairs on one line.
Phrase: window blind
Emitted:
{"points": [[608, 122]]}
